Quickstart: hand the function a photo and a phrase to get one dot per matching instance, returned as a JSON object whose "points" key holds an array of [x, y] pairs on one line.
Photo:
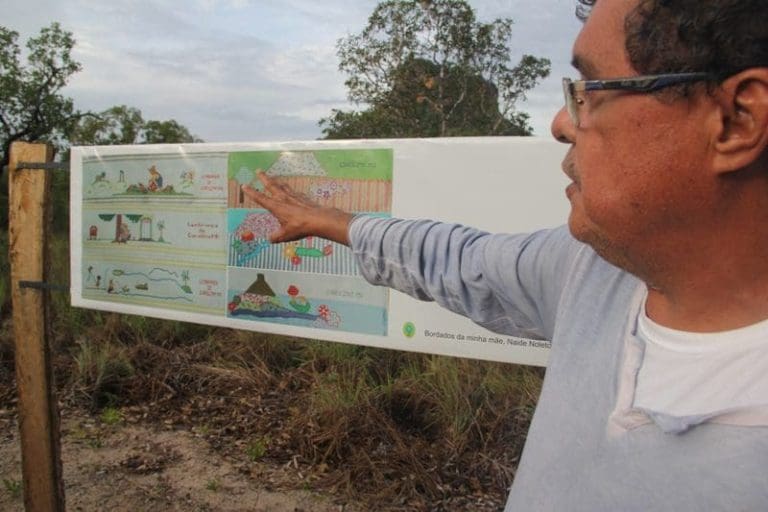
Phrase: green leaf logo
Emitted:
{"points": [[409, 329]]}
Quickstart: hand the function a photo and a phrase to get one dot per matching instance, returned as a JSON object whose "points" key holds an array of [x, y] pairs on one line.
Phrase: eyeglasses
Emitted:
{"points": [[641, 84]]}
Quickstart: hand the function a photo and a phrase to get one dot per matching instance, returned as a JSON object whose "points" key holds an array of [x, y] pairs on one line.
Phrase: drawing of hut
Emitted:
{"points": [[260, 287]]}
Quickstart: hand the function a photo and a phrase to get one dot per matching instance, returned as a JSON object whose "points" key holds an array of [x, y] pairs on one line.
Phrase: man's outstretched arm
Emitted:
{"points": [[298, 215]]}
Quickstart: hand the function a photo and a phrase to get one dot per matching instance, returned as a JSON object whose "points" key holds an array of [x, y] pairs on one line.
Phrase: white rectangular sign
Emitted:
{"points": [[164, 231]]}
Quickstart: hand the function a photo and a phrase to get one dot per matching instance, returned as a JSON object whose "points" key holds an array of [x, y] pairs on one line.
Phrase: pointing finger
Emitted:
{"points": [[262, 199], [270, 185]]}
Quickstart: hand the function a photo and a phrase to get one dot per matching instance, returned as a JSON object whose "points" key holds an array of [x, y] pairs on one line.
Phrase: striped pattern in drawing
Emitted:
{"points": [[357, 195], [339, 262]]}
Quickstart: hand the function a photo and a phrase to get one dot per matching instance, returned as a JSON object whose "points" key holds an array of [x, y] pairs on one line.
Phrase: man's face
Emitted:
{"points": [[634, 158]]}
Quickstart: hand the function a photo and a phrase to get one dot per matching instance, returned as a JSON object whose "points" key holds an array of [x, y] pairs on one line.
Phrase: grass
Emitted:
{"points": [[100, 371], [257, 449], [14, 488], [111, 416], [90, 437], [385, 426]]}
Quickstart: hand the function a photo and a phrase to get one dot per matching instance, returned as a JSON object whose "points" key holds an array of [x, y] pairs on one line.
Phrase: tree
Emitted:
{"points": [[122, 124], [161, 132], [429, 68], [31, 105], [121, 231]]}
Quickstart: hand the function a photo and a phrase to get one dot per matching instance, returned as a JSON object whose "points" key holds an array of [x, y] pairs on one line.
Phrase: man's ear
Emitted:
{"points": [[742, 135]]}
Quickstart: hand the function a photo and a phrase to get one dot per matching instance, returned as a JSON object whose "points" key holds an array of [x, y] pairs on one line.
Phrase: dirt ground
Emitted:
{"points": [[143, 467]]}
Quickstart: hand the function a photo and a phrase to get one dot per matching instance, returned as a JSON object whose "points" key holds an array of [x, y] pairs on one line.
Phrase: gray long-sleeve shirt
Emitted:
{"points": [[587, 448]]}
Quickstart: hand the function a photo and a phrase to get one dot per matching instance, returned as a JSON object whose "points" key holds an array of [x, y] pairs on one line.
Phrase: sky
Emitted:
{"points": [[254, 70]]}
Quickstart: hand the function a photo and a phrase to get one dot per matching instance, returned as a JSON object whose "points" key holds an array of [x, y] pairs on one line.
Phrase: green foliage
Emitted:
{"points": [[32, 107], [122, 124], [257, 448], [13, 487], [429, 68], [111, 416], [164, 132], [338, 393]]}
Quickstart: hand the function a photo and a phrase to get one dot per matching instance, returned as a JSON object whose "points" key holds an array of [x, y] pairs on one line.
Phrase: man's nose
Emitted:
{"points": [[562, 127]]}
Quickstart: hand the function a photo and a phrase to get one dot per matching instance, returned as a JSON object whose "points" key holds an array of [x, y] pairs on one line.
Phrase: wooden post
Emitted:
{"points": [[38, 413]]}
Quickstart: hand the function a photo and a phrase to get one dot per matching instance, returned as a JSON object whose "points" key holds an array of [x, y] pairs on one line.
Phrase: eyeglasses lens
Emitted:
{"points": [[570, 101]]}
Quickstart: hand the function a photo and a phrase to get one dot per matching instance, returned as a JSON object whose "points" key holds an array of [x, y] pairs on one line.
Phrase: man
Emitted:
{"points": [[656, 296]]}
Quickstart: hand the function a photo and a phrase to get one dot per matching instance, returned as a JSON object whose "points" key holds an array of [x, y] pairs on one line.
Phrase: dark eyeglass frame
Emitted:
{"points": [[639, 84]]}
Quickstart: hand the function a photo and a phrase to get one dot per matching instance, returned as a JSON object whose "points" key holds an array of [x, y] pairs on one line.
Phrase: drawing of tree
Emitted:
{"points": [[244, 176], [185, 278], [119, 228], [160, 227], [120, 231]]}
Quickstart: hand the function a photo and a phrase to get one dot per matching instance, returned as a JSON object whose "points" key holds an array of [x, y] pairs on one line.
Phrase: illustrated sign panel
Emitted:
{"points": [[166, 231], [312, 282]]}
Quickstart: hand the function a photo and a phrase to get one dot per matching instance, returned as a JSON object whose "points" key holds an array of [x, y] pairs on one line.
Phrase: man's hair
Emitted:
{"points": [[720, 37]]}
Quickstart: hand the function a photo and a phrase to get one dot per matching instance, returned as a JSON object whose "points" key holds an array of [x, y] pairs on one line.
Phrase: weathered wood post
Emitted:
{"points": [[28, 223]]}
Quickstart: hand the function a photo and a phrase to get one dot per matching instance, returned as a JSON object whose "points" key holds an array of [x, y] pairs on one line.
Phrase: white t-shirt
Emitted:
{"points": [[701, 374]]}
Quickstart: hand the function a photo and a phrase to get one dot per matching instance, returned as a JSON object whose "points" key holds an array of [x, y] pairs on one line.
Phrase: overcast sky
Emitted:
{"points": [[253, 70]]}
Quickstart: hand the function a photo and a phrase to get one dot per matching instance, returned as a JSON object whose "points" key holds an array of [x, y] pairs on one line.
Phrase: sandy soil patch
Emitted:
{"points": [[138, 467]]}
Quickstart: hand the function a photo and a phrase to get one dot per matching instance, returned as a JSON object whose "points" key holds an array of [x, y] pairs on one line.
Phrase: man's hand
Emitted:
{"points": [[298, 215]]}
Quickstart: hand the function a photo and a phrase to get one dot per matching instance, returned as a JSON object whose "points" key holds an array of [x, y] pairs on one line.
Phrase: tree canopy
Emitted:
{"points": [[429, 68], [122, 124], [31, 104], [161, 132]]}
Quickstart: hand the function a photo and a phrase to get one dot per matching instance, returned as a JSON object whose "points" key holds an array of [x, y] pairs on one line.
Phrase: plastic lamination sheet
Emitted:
{"points": [[165, 231]]}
